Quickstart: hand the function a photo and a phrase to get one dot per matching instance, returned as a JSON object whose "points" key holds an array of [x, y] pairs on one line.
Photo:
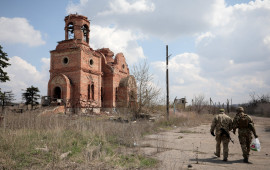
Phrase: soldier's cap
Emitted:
{"points": [[240, 109], [221, 110]]}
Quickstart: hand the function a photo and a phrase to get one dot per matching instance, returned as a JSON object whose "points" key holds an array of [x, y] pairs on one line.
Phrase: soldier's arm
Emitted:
{"points": [[252, 127], [213, 125], [235, 124], [230, 124]]}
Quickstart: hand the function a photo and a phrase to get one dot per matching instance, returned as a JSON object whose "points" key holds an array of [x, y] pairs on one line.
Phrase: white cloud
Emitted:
{"points": [[184, 75], [184, 68], [257, 4], [204, 37], [22, 75], [266, 41], [236, 81], [244, 39], [164, 19], [18, 30], [220, 14], [118, 41], [124, 7]]}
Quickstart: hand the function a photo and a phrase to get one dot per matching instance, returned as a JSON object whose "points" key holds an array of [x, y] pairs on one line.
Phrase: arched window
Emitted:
{"points": [[92, 91], [70, 30], [85, 32], [88, 92], [116, 94], [102, 95]]}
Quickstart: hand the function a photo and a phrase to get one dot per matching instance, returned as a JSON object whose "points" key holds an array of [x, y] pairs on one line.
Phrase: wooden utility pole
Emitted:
{"points": [[167, 81]]}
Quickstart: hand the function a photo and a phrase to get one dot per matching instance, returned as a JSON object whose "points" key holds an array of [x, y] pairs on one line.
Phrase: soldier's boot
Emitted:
{"points": [[246, 160], [225, 155], [218, 155]]}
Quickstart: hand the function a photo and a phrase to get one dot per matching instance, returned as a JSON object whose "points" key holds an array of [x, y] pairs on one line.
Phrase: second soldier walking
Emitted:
{"points": [[222, 125], [245, 126]]}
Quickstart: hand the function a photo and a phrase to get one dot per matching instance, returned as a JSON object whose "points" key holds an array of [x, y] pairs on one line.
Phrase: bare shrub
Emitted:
{"points": [[148, 93], [188, 119], [199, 103], [258, 105]]}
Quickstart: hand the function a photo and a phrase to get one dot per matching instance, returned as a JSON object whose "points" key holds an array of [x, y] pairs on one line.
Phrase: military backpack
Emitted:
{"points": [[243, 121]]}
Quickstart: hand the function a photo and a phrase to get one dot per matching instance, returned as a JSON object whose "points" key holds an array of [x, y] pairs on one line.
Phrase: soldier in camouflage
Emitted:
{"points": [[245, 126], [222, 124]]}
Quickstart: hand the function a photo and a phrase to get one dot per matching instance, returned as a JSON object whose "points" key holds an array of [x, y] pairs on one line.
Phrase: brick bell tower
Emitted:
{"points": [[75, 68]]}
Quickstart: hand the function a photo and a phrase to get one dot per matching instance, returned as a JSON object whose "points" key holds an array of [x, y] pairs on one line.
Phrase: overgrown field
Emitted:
{"points": [[29, 140]]}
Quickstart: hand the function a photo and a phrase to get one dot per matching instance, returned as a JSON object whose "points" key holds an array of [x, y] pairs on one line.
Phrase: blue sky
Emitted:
{"points": [[220, 48]]}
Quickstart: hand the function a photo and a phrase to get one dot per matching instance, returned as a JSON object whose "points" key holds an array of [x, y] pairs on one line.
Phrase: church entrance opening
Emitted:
{"points": [[57, 93]]}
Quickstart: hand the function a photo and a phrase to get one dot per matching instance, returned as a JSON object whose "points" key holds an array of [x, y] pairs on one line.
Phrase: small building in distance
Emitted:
{"points": [[81, 77], [180, 104]]}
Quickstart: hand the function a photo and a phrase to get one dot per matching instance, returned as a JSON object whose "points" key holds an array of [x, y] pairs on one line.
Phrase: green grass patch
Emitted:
{"points": [[147, 162], [135, 161]]}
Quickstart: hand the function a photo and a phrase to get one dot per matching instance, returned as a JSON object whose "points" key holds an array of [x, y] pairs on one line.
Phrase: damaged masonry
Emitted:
{"points": [[82, 78]]}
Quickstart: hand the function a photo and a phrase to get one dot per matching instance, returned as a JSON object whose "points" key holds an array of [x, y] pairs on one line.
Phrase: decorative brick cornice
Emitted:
{"points": [[91, 71], [65, 69]]}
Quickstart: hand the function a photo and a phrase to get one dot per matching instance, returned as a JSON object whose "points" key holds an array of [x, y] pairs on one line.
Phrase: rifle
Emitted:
{"points": [[223, 131]]}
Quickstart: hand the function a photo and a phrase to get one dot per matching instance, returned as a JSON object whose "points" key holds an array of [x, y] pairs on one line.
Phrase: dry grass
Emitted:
{"points": [[30, 141], [185, 119]]}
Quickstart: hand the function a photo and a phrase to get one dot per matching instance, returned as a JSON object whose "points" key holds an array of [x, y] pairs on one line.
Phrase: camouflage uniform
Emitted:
{"points": [[225, 122], [245, 126]]}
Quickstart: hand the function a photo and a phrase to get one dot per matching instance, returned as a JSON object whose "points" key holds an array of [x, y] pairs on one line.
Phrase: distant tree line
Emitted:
{"points": [[258, 105]]}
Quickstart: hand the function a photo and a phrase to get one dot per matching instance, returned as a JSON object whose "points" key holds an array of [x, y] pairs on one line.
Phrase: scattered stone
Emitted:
{"points": [[64, 155], [45, 149], [189, 166]]}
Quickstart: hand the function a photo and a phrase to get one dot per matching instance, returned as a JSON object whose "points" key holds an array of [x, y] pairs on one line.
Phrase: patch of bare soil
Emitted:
{"points": [[193, 148]]}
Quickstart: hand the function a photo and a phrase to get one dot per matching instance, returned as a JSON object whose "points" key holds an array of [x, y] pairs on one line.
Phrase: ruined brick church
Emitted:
{"points": [[82, 77]]}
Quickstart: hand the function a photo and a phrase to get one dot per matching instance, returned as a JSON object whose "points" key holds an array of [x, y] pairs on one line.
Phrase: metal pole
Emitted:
{"points": [[174, 105], [167, 81]]}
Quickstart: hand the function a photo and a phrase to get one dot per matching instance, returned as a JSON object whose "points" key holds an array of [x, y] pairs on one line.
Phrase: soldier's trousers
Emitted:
{"points": [[245, 141], [225, 142]]}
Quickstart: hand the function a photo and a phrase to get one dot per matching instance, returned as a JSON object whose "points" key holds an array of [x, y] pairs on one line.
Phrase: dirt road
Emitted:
{"points": [[180, 147]]}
